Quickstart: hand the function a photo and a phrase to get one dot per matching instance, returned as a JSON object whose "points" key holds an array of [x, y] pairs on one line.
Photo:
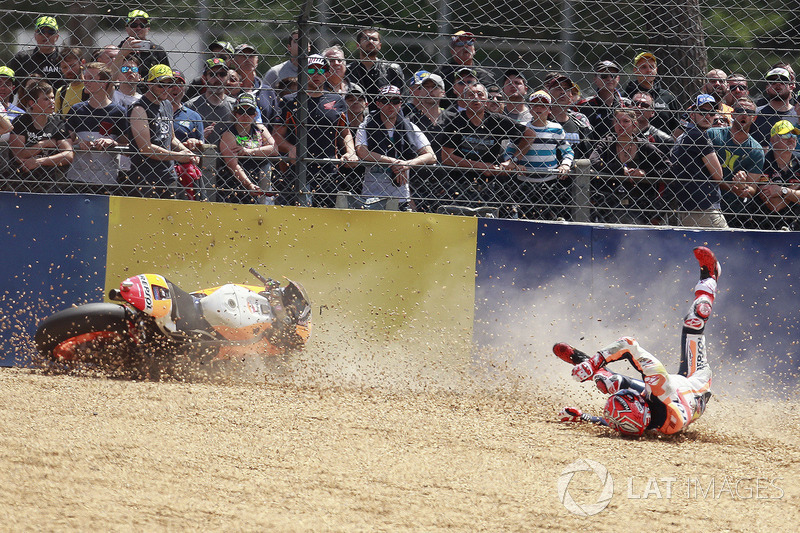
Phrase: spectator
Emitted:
{"points": [[425, 110], [717, 86], [696, 169], [44, 59], [214, 105], [328, 138], [769, 91], [188, 124], [287, 69], [776, 204], [7, 85], [462, 54], [244, 173], [72, 91], [599, 109], [138, 41], [666, 107], [396, 144], [464, 79], [369, 71], [245, 63], [737, 88], [233, 86], [473, 143], [643, 109], [95, 126], [742, 160], [106, 55], [153, 139], [515, 90], [626, 191], [543, 191], [39, 142], [578, 131], [286, 86], [780, 85], [356, 100], [495, 100], [337, 71], [221, 49]]}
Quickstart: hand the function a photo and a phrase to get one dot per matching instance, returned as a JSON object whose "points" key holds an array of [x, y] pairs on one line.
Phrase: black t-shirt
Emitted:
{"points": [[481, 143], [327, 116], [156, 55], [32, 61], [54, 128], [766, 117], [144, 170], [694, 187], [381, 74]]}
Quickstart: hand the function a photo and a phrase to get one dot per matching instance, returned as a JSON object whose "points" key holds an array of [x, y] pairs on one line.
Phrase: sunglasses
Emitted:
{"points": [[392, 101], [607, 76], [138, 25], [312, 71], [49, 32], [250, 111], [786, 136], [743, 111], [125, 70], [495, 96], [738, 87], [642, 105], [459, 44]]}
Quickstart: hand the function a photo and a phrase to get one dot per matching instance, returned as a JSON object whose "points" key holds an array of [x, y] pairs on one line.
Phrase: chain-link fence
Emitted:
{"points": [[573, 110]]}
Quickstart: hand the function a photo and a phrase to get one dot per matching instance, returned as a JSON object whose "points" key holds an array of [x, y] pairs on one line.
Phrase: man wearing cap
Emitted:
{"points": [[153, 139], [214, 105], [742, 160], [245, 63], [515, 89], [642, 102], [369, 71], [543, 192], [465, 78], [44, 59], [462, 54], [287, 69], [780, 85], [137, 25], [578, 131], [599, 109], [473, 146], [696, 169], [396, 144], [356, 100], [666, 107], [7, 85], [776, 204], [328, 138]]}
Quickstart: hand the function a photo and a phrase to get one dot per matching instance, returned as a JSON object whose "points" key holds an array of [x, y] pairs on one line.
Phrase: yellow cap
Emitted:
{"points": [[137, 14], [644, 55], [782, 127], [46, 22], [159, 72], [7, 72]]}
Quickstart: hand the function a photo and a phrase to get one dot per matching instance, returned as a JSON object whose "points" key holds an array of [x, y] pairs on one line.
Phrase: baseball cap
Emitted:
{"points": [[46, 22], [215, 62], [540, 96], [513, 72], [225, 45], [606, 65], [317, 59], [159, 72], [644, 55], [701, 100], [245, 48], [389, 90], [462, 36], [782, 127], [137, 14], [7, 72], [246, 99], [777, 74], [178, 76], [356, 90], [466, 71], [422, 75]]}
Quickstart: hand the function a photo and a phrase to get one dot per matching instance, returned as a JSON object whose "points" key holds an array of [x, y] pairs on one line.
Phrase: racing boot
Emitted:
{"points": [[709, 266], [568, 354]]}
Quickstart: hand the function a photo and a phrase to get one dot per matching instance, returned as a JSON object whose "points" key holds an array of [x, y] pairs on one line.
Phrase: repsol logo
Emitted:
{"points": [[147, 293]]}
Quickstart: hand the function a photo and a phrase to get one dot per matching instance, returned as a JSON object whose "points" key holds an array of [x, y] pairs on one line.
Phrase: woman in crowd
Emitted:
{"points": [[39, 142], [630, 167], [243, 146]]}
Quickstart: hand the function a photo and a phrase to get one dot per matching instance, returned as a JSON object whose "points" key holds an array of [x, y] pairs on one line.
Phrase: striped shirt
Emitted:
{"points": [[549, 150]]}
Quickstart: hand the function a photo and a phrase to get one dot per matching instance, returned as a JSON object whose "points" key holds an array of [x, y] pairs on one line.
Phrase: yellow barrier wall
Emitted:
{"points": [[378, 272]]}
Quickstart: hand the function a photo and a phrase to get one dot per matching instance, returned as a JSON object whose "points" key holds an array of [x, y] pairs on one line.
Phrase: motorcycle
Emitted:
{"points": [[153, 324]]}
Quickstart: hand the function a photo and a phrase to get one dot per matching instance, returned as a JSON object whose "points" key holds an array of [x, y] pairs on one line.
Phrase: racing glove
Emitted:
{"points": [[571, 414], [583, 371]]}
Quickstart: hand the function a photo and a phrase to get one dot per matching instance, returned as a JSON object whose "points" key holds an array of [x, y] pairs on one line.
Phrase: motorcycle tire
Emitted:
{"points": [[96, 333]]}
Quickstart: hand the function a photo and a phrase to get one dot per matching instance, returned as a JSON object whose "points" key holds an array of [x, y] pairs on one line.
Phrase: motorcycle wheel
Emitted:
{"points": [[96, 334]]}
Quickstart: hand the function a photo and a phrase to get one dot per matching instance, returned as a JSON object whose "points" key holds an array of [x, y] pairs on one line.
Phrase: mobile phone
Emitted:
{"points": [[144, 45]]}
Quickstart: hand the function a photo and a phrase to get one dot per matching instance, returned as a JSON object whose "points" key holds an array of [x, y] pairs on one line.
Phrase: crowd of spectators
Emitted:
{"points": [[122, 121]]}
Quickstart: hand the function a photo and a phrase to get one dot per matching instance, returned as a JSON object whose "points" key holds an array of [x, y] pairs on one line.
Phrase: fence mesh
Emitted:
{"points": [[573, 110]]}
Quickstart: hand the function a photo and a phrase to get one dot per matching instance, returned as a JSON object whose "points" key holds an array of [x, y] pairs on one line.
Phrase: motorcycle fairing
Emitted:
{"points": [[236, 312]]}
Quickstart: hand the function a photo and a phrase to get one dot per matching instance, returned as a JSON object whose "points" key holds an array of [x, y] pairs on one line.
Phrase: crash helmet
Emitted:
{"points": [[627, 412]]}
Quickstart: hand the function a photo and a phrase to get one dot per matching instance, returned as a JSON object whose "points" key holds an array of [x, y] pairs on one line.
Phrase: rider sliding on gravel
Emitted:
{"points": [[663, 402]]}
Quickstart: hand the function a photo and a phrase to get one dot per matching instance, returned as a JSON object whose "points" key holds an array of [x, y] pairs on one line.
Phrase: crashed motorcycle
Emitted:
{"points": [[153, 324]]}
